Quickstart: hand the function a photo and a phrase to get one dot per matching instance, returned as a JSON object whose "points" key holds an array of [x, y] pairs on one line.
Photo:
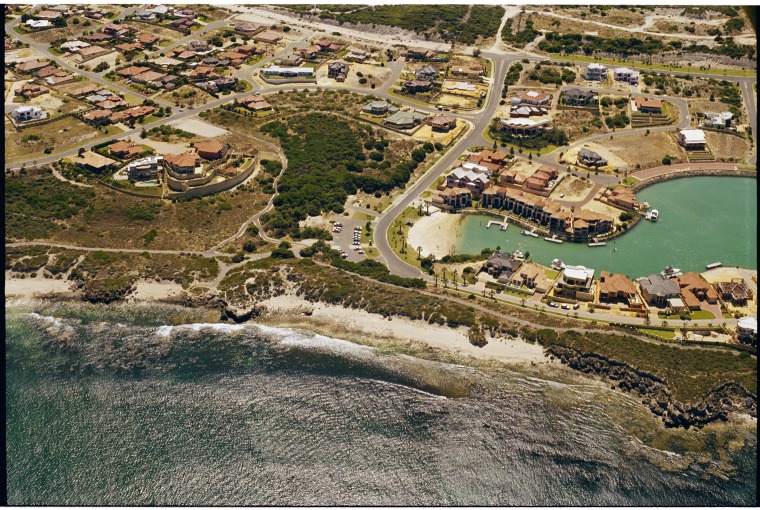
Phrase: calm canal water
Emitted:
{"points": [[702, 220]]}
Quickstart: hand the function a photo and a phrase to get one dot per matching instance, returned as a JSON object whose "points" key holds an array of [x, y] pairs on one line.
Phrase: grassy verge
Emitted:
{"points": [[666, 334], [694, 315], [397, 240], [656, 67]]}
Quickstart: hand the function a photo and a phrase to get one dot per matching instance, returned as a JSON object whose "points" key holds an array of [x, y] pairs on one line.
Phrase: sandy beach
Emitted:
{"points": [[35, 286], [349, 324], [436, 234]]}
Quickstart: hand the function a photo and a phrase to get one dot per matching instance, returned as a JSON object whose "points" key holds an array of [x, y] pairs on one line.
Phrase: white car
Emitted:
{"points": [[361, 252]]}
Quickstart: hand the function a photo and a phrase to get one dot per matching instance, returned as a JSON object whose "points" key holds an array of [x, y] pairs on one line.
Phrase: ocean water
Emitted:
{"points": [[115, 406], [702, 220]]}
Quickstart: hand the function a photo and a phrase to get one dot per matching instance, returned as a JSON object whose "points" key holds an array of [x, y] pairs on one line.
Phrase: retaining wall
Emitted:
{"points": [[216, 187]]}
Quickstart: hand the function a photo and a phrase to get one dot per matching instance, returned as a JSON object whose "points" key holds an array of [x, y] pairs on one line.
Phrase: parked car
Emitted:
{"points": [[565, 306], [576, 306], [553, 304], [361, 252]]}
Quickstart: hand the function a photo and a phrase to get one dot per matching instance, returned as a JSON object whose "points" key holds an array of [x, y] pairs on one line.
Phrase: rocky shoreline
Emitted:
{"points": [[654, 392]]}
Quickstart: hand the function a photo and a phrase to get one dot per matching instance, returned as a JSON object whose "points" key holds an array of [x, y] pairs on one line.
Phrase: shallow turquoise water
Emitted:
{"points": [[702, 220]]}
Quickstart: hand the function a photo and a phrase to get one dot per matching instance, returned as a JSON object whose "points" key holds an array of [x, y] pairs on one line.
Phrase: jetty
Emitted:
{"points": [[713, 265], [554, 239], [531, 233], [596, 242], [502, 224]]}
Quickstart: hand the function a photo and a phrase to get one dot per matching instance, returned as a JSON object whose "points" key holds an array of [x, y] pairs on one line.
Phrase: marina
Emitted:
{"points": [[531, 233], [646, 248]]}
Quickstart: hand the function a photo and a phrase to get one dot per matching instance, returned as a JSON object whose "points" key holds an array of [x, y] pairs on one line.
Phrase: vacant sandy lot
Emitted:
{"points": [[164, 147], [643, 150], [23, 55], [614, 161], [426, 134], [110, 59], [196, 126], [574, 189], [524, 167], [578, 124], [375, 75], [67, 133], [724, 146], [706, 106], [186, 95]]}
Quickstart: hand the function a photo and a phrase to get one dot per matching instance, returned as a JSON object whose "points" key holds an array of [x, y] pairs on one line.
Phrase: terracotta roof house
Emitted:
{"points": [[249, 29], [47, 71], [31, 65], [132, 113], [132, 70], [310, 52], [148, 76], [471, 72], [29, 90], [623, 197], [614, 287], [98, 117], [233, 56], [328, 46], [267, 38], [47, 14], [183, 164], [97, 37], [83, 91], [253, 102], [92, 52], [531, 276], [291, 60], [648, 104], [443, 123], [125, 149], [656, 289], [93, 160], [110, 104], [127, 47], [451, 199], [184, 55], [535, 98], [148, 39], [246, 49], [695, 289], [212, 149], [202, 72]]}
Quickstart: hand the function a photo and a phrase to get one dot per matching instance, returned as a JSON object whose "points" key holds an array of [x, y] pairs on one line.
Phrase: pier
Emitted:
{"points": [[596, 242], [553, 239], [502, 224]]}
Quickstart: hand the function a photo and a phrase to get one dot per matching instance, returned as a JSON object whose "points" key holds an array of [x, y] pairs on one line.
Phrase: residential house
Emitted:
{"points": [[62, 9], [125, 149], [127, 47], [212, 149], [470, 72], [414, 86], [60, 79], [535, 98], [524, 111], [74, 46], [249, 29], [656, 289], [112, 104], [587, 224], [183, 166], [47, 71], [145, 168], [577, 97], [135, 112], [379, 108], [38, 24], [97, 37], [310, 52], [405, 120], [622, 196], [132, 71], [426, 73], [595, 72], [443, 123], [501, 266], [184, 54], [291, 60], [92, 52], [289, 72], [29, 90], [253, 102], [452, 199], [148, 39], [618, 287], [590, 158], [28, 113], [224, 83], [337, 70], [198, 46], [695, 290], [234, 57], [267, 38], [626, 75], [540, 179], [533, 207], [93, 161], [356, 56], [162, 10], [328, 46], [735, 291], [493, 160], [202, 72], [181, 24], [145, 15], [531, 276], [717, 120], [86, 90], [746, 330], [474, 181], [31, 65], [647, 104], [185, 13], [692, 139], [247, 49], [575, 282], [676, 305], [148, 76], [118, 30], [47, 15], [98, 117], [526, 127]]}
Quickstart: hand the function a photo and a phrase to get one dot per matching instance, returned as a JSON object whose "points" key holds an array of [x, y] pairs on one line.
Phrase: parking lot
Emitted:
{"points": [[344, 239]]}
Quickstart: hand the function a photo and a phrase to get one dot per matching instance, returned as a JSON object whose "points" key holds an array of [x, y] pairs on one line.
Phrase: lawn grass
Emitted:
{"points": [[113, 130], [629, 180], [395, 239], [694, 315], [656, 67], [667, 334]]}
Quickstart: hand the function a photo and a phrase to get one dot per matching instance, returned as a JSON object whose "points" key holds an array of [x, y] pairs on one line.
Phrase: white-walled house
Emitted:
{"points": [[27, 113]]}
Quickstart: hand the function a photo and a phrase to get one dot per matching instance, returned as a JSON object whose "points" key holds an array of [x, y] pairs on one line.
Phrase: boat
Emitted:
{"points": [[557, 264], [713, 265], [531, 233], [554, 239], [518, 255], [652, 215], [670, 272]]}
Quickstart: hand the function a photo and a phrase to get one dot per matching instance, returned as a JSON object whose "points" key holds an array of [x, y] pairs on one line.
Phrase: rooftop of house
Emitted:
{"points": [[186, 159], [93, 159], [616, 283], [579, 273], [658, 285], [693, 135], [212, 146]]}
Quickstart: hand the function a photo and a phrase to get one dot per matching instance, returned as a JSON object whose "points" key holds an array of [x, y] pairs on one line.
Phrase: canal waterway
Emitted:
{"points": [[702, 220]]}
